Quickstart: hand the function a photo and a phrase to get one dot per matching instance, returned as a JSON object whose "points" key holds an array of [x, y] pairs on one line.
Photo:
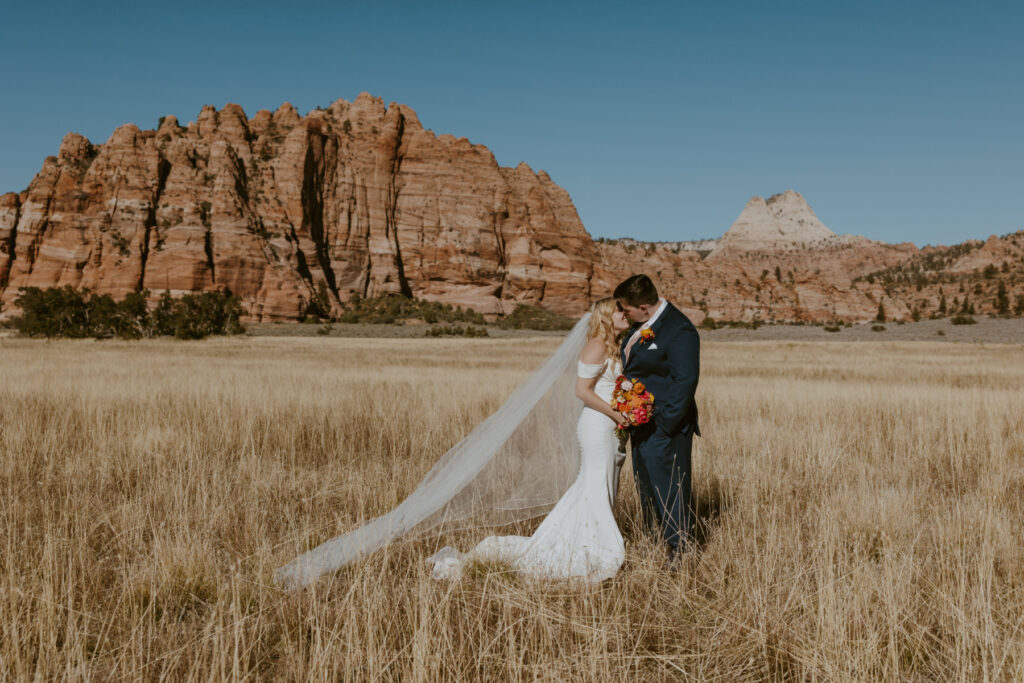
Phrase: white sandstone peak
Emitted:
{"points": [[783, 220]]}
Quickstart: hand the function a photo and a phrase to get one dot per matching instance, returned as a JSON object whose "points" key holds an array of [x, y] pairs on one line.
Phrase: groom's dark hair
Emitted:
{"points": [[637, 290]]}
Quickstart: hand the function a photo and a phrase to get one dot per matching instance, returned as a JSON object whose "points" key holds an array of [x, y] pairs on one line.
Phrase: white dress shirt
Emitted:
{"points": [[647, 323]]}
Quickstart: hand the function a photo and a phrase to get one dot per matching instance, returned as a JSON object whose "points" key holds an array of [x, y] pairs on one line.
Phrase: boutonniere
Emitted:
{"points": [[646, 335]]}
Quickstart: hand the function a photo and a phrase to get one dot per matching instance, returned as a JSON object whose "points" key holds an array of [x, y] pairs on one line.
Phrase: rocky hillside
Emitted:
{"points": [[975, 277], [359, 198], [781, 222], [769, 285], [779, 263]]}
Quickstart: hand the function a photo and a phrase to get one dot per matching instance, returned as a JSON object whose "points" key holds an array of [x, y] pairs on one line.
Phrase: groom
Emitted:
{"points": [[662, 350]]}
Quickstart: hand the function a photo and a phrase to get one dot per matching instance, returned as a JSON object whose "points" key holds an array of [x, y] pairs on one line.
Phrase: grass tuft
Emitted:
{"points": [[859, 514]]}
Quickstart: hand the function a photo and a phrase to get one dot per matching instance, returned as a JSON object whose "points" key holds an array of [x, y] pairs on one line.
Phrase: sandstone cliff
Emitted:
{"points": [[358, 196], [783, 221], [768, 285], [779, 263]]}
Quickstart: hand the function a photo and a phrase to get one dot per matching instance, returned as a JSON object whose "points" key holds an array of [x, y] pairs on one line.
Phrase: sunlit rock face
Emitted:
{"points": [[359, 198], [783, 221]]}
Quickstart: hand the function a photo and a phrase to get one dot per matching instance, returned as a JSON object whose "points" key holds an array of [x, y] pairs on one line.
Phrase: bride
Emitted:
{"points": [[550, 446], [579, 538]]}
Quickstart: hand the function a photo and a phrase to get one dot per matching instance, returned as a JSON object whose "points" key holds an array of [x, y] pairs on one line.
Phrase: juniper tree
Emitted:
{"points": [[1002, 299]]}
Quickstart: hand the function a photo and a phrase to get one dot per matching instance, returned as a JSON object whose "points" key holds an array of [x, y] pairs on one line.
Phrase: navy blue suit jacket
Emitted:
{"points": [[669, 366]]}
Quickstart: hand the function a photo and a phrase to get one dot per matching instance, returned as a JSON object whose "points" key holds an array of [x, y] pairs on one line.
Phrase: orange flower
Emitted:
{"points": [[635, 403]]}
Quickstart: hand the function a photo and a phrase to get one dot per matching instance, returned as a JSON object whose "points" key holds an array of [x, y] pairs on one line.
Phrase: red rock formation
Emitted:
{"points": [[816, 284], [360, 198], [782, 221], [970, 278], [779, 263]]}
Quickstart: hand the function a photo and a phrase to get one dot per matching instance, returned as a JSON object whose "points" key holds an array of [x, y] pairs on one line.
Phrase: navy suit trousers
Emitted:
{"points": [[661, 466]]}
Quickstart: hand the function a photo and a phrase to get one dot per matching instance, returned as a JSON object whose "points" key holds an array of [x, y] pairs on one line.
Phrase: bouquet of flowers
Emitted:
{"points": [[632, 399]]}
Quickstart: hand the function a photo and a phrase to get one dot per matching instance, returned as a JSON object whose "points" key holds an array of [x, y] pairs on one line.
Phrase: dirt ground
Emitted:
{"points": [[376, 330], [987, 330]]}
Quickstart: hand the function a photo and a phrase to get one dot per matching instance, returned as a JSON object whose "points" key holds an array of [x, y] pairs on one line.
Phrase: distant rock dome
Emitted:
{"points": [[782, 220]]}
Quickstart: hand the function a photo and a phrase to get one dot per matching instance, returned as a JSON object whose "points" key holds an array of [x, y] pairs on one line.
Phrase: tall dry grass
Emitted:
{"points": [[861, 516]]}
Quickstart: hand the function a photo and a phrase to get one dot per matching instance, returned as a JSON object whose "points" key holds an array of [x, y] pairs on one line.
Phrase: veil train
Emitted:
{"points": [[514, 465]]}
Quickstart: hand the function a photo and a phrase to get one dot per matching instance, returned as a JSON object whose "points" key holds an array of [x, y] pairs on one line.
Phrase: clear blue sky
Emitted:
{"points": [[896, 120]]}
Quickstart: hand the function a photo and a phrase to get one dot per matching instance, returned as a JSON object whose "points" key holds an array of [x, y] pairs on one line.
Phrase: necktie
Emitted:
{"points": [[632, 340]]}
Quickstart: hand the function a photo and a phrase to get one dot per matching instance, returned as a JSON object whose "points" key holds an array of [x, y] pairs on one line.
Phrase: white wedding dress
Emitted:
{"points": [[579, 539]]}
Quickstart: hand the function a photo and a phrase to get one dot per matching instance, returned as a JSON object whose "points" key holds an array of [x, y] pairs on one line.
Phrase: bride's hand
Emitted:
{"points": [[620, 419]]}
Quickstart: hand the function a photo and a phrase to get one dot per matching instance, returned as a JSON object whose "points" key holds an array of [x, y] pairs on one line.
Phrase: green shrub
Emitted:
{"points": [[878, 328], [195, 316], [963, 320], [1002, 301], [396, 309], [831, 328], [161, 317], [67, 312], [708, 323], [54, 312], [752, 325], [456, 331], [133, 316], [535, 318]]}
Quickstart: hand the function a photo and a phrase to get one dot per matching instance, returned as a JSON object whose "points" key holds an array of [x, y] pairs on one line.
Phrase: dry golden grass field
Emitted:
{"points": [[861, 512]]}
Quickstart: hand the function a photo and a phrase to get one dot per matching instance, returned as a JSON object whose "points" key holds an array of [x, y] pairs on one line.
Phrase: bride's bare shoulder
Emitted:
{"points": [[593, 352]]}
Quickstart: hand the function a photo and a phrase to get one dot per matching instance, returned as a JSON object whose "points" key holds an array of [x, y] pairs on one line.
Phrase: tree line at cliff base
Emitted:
{"points": [[76, 314], [71, 313]]}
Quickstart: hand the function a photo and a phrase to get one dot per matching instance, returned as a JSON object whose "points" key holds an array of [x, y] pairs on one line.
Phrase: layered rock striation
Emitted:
{"points": [[782, 222], [768, 285], [778, 262], [357, 198]]}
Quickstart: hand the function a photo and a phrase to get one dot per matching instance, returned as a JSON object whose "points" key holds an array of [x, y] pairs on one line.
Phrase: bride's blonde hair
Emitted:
{"points": [[601, 326]]}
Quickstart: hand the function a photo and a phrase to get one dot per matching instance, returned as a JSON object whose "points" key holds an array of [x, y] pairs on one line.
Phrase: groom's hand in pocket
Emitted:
{"points": [[661, 433]]}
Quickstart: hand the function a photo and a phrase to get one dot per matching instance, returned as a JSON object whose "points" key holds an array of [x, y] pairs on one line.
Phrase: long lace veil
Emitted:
{"points": [[514, 465]]}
